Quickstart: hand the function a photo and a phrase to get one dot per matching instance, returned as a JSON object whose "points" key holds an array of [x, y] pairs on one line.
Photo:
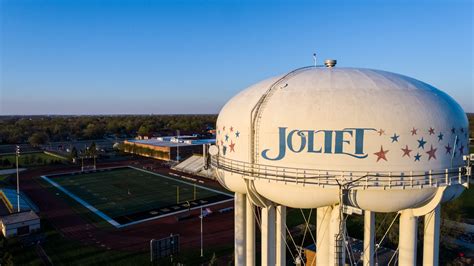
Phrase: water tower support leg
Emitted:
{"points": [[431, 237], [281, 235], [239, 228], [335, 253], [322, 235], [250, 231], [268, 235], [369, 237], [407, 241]]}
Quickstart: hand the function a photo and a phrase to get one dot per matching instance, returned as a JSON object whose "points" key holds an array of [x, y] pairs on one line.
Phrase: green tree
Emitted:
{"points": [[93, 149], [73, 153], [7, 162], [37, 139], [27, 160], [15, 130], [93, 131], [143, 131], [33, 158]]}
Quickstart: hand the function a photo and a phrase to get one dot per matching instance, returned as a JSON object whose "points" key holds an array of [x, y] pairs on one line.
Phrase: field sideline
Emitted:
{"points": [[128, 195]]}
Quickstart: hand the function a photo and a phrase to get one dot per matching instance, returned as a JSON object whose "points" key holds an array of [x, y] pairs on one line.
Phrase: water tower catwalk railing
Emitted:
{"points": [[331, 234], [357, 179]]}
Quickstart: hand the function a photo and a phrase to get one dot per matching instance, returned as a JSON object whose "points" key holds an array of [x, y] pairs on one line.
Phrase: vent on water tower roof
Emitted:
{"points": [[330, 63]]}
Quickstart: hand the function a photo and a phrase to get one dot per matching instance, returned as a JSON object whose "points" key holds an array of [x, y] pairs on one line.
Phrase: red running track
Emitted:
{"points": [[218, 228]]}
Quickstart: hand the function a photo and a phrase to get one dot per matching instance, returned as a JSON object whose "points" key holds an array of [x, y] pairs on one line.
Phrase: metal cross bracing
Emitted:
{"points": [[352, 179]]}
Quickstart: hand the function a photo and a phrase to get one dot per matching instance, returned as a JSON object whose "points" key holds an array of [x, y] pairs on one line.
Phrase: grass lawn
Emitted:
{"points": [[4, 180], [21, 255], [28, 160], [126, 192]]}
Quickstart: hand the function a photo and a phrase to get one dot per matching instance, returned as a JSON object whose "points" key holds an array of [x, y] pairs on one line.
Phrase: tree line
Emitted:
{"points": [[38, 130]]}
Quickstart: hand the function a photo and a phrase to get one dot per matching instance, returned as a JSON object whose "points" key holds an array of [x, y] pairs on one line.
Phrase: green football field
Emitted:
{"points": [[127, 194]]}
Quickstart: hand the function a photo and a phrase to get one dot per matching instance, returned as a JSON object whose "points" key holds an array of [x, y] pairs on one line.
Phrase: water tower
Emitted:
{"points": [[336, 139]]}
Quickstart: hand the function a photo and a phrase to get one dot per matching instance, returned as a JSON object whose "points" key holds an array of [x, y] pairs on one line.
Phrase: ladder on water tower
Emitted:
{"points": [[256, 113], [339, 249]]}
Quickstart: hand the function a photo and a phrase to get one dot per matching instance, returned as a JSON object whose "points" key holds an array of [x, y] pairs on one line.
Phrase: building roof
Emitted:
{"points": [[19, 217], [168, 143]]}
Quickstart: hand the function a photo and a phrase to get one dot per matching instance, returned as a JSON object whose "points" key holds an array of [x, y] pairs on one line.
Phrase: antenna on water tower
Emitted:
{"points": [[314, 59]]}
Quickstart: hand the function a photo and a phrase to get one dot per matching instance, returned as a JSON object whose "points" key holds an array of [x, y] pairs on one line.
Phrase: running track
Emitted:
{"points": [[218, 228]]}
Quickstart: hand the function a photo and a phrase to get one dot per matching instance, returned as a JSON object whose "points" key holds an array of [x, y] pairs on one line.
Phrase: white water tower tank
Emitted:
{"points": [[390, 139]]}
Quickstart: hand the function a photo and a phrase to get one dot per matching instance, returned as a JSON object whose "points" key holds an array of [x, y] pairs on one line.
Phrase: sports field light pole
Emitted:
{"points": [[177, 146], [17, 178], [177, 194], [202, 251]]}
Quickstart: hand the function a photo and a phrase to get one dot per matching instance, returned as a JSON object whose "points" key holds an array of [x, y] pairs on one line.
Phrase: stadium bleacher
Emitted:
{"points": [[9, 197], [194, 165]]}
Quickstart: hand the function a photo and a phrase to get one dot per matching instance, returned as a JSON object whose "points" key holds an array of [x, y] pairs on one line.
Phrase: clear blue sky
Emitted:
{"points": [[111, 57]]}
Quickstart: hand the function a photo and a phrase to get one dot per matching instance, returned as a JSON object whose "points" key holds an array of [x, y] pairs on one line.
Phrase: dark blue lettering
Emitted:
{"points": [[282, 145], [290, 141]]}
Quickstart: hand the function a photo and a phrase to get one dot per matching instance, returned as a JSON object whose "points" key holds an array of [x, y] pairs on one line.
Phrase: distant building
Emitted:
{"points": [[167, 148], [13, 223], [20, 223]]}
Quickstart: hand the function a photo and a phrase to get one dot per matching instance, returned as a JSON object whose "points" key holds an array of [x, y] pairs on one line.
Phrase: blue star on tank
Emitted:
{"points": [[440, 136], [226, 137], [461, 149], [224, 149], [448, 149], [237, 134], [421, 143], [417, 157], [395, 137]]}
